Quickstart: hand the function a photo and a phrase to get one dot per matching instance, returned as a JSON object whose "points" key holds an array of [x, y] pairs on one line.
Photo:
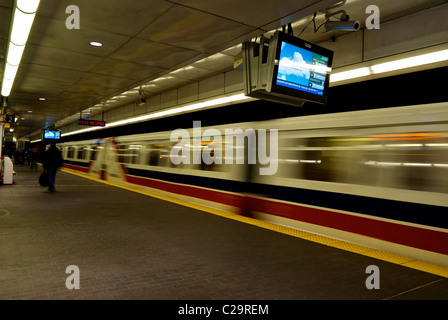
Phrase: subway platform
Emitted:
{"points": [[131, 246]]}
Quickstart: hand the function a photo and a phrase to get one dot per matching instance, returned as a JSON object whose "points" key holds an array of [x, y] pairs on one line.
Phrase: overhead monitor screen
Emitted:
{"points": [[301, 69], [52, 134]]}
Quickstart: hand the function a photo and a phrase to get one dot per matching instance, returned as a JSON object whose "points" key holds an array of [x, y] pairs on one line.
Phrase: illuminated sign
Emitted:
{"points": [[10, 118], [51, 134], [98, 123]]}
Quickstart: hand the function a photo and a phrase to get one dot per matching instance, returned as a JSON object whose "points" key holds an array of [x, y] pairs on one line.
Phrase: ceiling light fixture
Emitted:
{"points": [[96, 44], [411, 62], [397, 64], [170, 112], [23, 18], [350, 74]]}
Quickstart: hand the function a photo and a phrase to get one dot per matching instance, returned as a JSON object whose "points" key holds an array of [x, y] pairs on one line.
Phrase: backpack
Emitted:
{"points": [[43, 179]]}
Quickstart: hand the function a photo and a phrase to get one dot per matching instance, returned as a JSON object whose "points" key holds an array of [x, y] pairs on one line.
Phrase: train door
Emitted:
{"points": [[111, 168], [98, 158], [105, 164]]}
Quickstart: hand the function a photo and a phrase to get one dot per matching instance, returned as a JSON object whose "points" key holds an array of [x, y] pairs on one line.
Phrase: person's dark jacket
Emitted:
{"points": [[52, 159]]}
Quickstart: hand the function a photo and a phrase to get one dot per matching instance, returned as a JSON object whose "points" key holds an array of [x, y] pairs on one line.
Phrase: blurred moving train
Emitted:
{"points": [[373, 177]]}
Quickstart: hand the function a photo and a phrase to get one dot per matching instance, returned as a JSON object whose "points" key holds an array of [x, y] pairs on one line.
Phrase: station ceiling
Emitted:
{"points": [[154, 44]]}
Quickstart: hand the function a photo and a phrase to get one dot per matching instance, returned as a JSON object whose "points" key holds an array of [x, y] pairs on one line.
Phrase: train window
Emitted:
{"points": [[413, 161], [164, 159], [81, 153], [339, 159], [134, 152], [128, 153], [155, 151], [209, 158], [93, 152], [212, 156], [290, 156], [170, 160], [120, 153], [177, 154], [70, 152]]}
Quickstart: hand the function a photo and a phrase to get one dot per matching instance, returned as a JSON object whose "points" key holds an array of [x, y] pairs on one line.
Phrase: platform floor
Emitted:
{"points": [[128, 245]]}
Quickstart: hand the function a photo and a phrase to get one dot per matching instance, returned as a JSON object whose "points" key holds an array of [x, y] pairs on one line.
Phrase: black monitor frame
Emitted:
{"points": [[275, 44]]}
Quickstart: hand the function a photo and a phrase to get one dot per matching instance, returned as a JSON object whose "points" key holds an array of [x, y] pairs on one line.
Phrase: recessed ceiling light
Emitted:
{"points": [[30, 111], [96, 44], [42, 99]]}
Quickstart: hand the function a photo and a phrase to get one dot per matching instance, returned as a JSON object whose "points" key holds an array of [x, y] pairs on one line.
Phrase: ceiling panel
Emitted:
{"points": [[153, 54], [107, 81], [192, 73], [89, 92], [52, 33], [261, 12], [51, 73], [44, 88], [5, 15], [115, 16], [192, 29], [165, 83], [60, 58], [126, 69], [217, 62]]}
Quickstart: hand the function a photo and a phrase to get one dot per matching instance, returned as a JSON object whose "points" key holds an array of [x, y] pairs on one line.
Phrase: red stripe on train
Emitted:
{"points": [[77, 168], [425, 239], [204, 194]]}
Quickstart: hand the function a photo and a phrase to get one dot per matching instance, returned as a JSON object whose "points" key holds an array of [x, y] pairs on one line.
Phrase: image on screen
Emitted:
{"points": [[301, 69], [52, 134]]}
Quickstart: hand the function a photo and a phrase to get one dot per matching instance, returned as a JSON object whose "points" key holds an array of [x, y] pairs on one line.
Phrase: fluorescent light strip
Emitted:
{"points": [[159, 114], [15, 53], [23, 19], [436, 145], [404, 145], [28, 6], [10, 71], [6, 86], [411, 62], [414, 164], [21, 27], [398, 64], [350, 74]]}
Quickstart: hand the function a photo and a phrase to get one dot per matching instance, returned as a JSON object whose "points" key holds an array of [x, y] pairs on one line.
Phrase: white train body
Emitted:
{"points": [[376, 177]]}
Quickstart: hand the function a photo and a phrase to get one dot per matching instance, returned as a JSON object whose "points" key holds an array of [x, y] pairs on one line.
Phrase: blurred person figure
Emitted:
{"points": [[52, 161]]}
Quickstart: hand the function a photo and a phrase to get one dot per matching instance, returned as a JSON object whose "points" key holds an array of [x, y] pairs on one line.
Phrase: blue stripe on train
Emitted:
{"points": [[77, 163]]}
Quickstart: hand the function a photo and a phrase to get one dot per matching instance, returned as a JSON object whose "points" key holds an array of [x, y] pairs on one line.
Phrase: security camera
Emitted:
{"points": [[140, 102], [343, 25]]}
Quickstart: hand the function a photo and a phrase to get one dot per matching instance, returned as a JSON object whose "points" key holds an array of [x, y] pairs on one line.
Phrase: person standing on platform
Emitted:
{"points": [[33, 159], [52, 161]]}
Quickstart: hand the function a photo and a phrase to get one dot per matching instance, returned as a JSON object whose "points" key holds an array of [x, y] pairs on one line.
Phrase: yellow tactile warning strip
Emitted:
{"points": [[347, 246]]}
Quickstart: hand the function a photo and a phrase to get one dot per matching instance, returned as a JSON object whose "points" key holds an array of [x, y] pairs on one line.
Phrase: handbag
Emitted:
{"points": [[43, 179]]}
